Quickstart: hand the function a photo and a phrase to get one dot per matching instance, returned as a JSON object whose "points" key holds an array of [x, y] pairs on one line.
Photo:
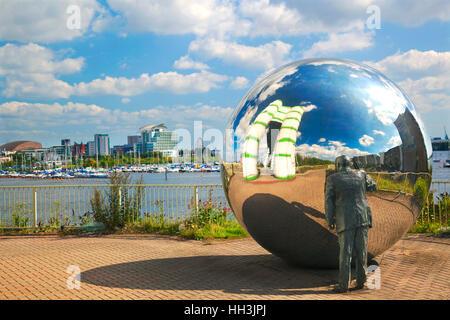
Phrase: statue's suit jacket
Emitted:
{"points": [[346, 204]]}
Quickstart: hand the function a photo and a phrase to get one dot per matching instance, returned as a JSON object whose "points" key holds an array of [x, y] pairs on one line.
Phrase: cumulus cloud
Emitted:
{"points": [[355, 39], [366, 140], [423, 75], [330, 151], [394, 141], [31, 71], [44, 20], [33, 116], [172, 82], [378, 132], [199, 17], [265, 56], [187, 63], [239, 83]]}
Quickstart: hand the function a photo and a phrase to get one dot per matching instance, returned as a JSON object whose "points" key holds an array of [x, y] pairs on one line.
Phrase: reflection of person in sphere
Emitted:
{"points": [[347, 210]]}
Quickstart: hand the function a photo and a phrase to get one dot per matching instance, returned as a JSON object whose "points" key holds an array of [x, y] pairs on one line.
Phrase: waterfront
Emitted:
{"points": [[44, 201], [179, 178]]}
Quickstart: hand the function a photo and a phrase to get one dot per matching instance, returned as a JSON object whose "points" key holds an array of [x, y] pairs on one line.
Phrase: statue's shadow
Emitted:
{"points": [[245, 274]]}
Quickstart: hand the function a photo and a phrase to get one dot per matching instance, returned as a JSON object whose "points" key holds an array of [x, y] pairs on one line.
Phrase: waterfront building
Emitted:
{"points": [[133, 140], [157, 138], [78, 149], [90, 145], [20, 145], [101, 142]]}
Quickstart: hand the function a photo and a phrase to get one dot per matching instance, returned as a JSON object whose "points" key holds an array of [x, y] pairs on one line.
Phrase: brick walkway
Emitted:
{"points": [[157, 267]]}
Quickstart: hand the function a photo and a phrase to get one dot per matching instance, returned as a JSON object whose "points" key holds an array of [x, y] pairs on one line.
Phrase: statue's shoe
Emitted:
{"points": [[338, 289]]}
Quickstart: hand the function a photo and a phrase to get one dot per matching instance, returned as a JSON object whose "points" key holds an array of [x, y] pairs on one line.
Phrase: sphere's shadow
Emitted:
{"points": [[244, 274], [270, 220]]}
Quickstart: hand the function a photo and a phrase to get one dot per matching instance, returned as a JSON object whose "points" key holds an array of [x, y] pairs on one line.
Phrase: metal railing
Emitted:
{"points": [[32, 206], [437, 208]]}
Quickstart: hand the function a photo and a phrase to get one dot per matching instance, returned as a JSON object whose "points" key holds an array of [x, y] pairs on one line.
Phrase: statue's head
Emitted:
{"points": [[342, 163]]}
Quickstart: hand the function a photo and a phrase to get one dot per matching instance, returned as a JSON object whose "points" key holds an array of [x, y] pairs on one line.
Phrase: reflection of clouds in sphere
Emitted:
{"points": [[320, 108], [366, 140], [349, 108]]}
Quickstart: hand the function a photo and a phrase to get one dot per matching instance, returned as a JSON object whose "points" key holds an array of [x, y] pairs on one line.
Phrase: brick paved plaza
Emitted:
{"points": [[159, 267]]}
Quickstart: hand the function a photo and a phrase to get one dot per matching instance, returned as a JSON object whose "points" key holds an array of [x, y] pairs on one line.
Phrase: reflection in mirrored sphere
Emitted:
{"points": [[287, 132]]}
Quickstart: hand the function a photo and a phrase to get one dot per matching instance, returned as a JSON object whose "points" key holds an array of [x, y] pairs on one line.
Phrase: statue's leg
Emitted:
{"points": [[361, 255], [346, 240]]}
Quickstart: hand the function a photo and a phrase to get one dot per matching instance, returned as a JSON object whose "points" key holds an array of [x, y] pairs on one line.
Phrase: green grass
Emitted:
{"points": [[436, 229], [186, 229]]}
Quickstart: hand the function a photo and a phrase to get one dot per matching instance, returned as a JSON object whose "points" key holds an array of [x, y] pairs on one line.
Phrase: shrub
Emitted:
{"points": [[20, 215], [420, 191], [119, 207]]}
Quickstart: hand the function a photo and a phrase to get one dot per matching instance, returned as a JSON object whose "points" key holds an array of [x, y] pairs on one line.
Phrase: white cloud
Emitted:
{"points": [[187, 63], [32, 116], [366, 140], [330, 151], [199, 17], [172, 82], [239, 83], [322, 140], [337, 15], [378, 132], [125, 100], [423, 75], [394, 141], [31, 71], [414, 64], [355, 39], [43, 20], [265, 56]]}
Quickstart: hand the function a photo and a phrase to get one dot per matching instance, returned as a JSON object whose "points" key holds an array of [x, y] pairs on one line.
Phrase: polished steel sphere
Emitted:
{"points": [[287, 132]]}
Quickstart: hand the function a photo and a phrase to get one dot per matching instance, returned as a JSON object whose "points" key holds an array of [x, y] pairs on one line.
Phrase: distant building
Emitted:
{"points": [[65, 142], [78, 149], [102, 144], [117, 150], [90, 145], [20, 145], [133, 139], [158, 138]]}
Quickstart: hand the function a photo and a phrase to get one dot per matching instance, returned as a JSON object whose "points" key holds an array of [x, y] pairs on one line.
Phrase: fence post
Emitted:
{"points": [[120, 197], [35, 207], [195, 200]]}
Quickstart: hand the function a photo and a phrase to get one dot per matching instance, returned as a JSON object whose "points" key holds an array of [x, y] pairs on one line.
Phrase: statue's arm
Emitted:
{"points": [[330, 212]]}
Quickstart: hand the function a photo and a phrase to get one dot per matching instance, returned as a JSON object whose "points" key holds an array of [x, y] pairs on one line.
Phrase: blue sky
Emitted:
{"points": [[132, 63]]}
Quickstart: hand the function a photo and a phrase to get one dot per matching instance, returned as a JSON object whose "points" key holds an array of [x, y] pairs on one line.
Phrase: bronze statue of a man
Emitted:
{"points": [[347, 210]]}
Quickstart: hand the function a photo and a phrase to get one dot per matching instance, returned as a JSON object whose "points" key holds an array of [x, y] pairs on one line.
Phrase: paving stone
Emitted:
{"points": [[161, 267]]}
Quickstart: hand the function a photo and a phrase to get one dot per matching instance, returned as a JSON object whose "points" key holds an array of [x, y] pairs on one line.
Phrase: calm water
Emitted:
{"points": [[197, 178], [174, 202]]}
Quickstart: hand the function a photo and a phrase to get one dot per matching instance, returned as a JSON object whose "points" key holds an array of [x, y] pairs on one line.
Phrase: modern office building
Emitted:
{"points": [[156, 137], [101, 142], [90, 146], [78, 149], [133, 140]]}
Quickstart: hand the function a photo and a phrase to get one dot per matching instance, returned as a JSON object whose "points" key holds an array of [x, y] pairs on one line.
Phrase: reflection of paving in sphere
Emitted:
{"points": [[291, 224], [323, 108]]}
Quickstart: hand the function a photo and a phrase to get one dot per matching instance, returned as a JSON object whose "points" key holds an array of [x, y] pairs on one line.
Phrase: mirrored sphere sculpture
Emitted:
{"points": [[286, 133]]}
